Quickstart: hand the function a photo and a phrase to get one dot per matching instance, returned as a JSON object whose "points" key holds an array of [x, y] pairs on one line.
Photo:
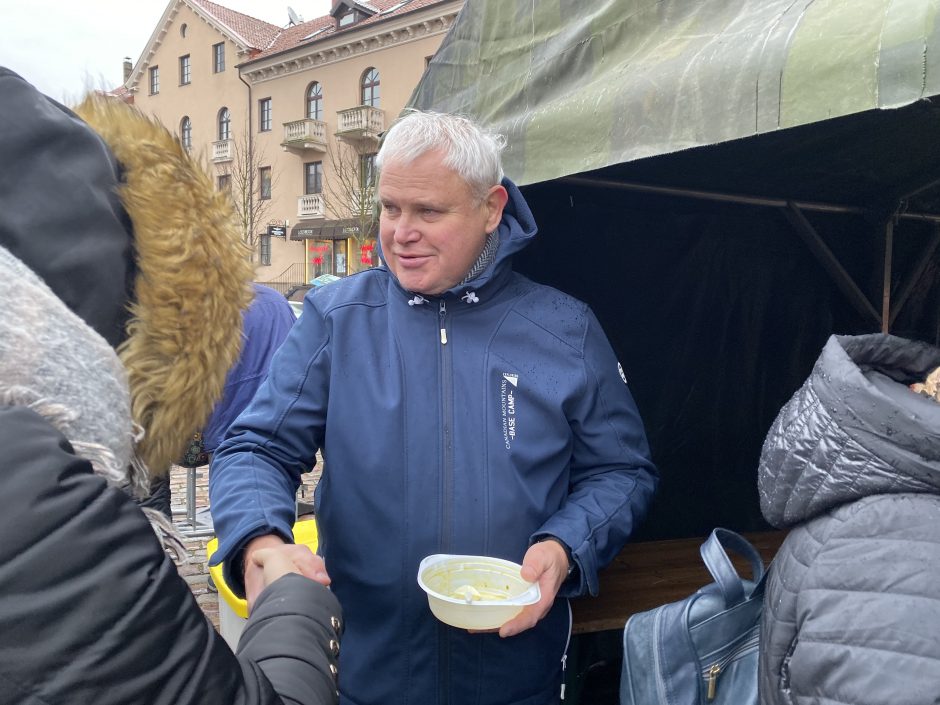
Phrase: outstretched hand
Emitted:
{"points": [[268, 558], [546, 563]]}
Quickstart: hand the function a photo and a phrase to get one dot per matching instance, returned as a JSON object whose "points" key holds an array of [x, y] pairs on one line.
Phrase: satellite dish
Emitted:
{"points": [[293, 16]]}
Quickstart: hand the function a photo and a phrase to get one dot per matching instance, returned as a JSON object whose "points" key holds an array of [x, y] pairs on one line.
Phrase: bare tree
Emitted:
{"points": [[350, 188], [245, 182]]}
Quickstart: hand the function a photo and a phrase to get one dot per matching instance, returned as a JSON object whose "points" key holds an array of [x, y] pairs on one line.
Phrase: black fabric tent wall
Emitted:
{"points": [[717, 312]]}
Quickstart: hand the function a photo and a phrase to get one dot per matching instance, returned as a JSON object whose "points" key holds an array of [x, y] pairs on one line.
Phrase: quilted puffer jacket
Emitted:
{"points": [[852, 462]]}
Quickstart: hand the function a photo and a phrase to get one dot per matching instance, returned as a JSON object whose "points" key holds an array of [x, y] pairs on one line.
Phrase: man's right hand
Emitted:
{"points": [[268, 557]]}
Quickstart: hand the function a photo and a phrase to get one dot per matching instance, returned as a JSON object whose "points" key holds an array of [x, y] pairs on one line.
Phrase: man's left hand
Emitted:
{"points": [[546, 563]]}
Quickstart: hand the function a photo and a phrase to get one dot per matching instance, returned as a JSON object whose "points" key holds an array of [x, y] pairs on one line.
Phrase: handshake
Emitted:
{"points": [[268, 558]]}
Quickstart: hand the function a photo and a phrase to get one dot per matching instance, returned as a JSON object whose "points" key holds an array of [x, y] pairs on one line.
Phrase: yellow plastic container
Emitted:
{"points": [[233, 610]]}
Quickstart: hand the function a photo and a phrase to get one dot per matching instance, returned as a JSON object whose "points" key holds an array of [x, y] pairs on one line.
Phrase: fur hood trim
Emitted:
{"points": [[193, 281]]}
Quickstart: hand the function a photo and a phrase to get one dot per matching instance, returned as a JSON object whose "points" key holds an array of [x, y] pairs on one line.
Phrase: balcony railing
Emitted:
{"points": [[362, 122], [305, 134], [289, 280], [310, 206], [222, 151]]}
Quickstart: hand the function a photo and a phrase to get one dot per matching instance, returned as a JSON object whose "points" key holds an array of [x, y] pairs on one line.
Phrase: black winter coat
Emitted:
{"points": [[93, 611]]}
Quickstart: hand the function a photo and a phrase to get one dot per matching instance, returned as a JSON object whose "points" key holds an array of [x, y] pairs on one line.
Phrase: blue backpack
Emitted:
{"points": [[701, 650]]}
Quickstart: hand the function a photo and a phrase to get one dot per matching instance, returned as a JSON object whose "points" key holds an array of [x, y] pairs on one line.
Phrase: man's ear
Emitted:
{"points": [[495, 201]]}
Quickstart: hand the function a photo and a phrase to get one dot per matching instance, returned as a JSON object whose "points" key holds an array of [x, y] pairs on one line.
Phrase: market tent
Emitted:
{"points": [[726, 183]]}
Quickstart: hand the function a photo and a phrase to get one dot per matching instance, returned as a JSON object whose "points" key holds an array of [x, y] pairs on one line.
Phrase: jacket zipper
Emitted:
{"points": [[564, 656], [447, 465], [711, 673]]}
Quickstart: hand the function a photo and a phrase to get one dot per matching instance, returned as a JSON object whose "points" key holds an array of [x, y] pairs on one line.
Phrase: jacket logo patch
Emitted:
{"points": [[507, 405]]}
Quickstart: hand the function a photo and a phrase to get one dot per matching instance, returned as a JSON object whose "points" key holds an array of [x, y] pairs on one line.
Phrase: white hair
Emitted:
{"points": [[470, 150]]}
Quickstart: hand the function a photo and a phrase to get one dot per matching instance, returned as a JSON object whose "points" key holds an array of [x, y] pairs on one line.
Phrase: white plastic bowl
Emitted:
{"points": [[475, 592]]}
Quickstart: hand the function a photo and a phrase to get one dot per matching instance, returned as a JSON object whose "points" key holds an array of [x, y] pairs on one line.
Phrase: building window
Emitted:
{"points": [[186, 133], [225, 124], [315, 101], [264, 182], [370, 87], [264, 249], [264, 115], [154, 80], [366, 171], [218, 57], [183, 29], [185, 75], [327, 257], [225, 183], [313, 178], [347, 19]]}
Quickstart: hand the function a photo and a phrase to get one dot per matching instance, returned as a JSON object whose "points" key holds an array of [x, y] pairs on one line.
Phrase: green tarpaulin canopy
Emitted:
{"points": [[579, 85]]}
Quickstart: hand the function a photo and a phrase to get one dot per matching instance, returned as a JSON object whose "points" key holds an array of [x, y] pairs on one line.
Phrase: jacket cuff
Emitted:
{"points": [[571, 587], [298, 623], [233, 568]]}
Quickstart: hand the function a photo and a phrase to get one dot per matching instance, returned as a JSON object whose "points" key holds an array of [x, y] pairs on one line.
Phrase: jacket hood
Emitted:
{"points": [[516, 230], [852, 430], [192, 284], [60, 213], [128, 232]]}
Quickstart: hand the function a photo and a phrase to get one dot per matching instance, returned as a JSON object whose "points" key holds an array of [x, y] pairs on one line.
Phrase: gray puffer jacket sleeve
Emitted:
{"points": [[852, 462]]}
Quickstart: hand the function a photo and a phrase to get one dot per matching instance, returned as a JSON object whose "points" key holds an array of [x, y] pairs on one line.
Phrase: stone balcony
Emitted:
{"points": [[360, 123], [304, 135], [222, 151], [312, 205]]}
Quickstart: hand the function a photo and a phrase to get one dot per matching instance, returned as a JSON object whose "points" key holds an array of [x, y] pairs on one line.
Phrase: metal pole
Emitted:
{"points": [[191, 498], [830, 263], [737, 198], [914, 277], [886, 280]]}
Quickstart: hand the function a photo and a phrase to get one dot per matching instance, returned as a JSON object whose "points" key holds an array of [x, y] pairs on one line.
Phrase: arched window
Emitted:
{"points": [[225, 124], [315, 101], [370, 87], [186, 133]]}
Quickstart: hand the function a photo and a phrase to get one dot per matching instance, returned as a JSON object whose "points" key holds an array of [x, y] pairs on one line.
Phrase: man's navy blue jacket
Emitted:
{"points": [[519, 425]]}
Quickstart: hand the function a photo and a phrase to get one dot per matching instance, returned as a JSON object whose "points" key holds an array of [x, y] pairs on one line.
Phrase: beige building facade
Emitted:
{"points": [[288, 118]]}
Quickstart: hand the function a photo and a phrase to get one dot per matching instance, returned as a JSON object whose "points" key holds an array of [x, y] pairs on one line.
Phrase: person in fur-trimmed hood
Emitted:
{"points": [[852, 462], [122, 281]]}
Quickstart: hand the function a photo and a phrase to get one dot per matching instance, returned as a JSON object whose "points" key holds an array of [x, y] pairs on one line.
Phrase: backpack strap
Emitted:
{"points": [[715, 556]]}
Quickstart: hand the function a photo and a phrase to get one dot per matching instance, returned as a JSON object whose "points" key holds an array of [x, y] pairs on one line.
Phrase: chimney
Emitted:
{"points": [[128, 67]]}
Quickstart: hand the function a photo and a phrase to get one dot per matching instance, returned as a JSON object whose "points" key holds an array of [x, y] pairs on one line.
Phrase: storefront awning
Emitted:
{"points": [[330, 230]]}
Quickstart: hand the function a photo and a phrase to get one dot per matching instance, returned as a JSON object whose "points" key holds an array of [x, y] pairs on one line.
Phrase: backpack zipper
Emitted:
{"points": [[711, 673]]}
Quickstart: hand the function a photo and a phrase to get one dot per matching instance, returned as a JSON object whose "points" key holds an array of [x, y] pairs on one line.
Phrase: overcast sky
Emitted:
{"points": [[66, 46]]}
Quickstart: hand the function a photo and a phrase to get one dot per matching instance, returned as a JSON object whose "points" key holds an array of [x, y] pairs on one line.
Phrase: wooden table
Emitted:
{"points": [[648, 574]]}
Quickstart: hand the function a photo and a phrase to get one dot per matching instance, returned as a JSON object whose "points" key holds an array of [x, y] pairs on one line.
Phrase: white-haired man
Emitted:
{"points": [[461, 409]]}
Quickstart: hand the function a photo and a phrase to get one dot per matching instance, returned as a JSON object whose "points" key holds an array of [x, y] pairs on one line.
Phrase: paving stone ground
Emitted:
{"points": [[193, 565]]}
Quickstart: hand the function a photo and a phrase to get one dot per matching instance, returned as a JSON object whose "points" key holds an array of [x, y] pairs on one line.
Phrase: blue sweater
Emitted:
{"points": [[521, 424]]}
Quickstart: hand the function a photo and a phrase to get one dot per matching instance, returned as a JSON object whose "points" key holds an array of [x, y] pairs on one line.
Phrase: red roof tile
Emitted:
{"points": [[298, 35], [258, 33]]}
